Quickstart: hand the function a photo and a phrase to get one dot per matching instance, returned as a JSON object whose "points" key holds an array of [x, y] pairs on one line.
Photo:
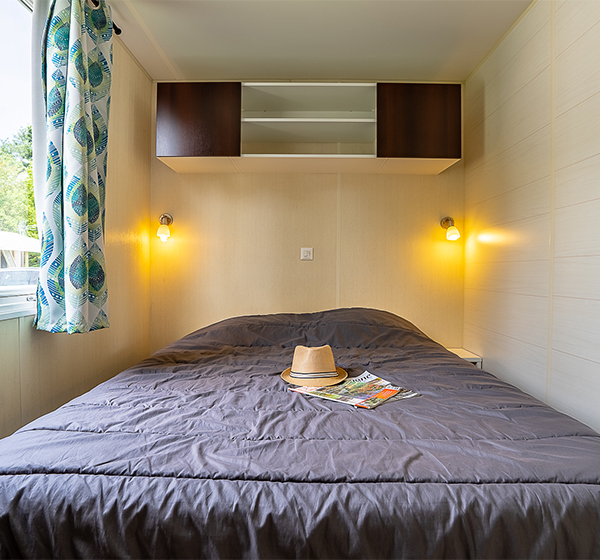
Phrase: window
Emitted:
{"points": [[19, 245]]}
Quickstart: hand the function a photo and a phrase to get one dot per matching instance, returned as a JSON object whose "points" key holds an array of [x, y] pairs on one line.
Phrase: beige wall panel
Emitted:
{"points": [[576, 327], [56, 367], [513, 77], [515, 361], [523, 32], [128, 208], [521, 164], [524, 240], [556, 248], [235, 248], [574, 18], [514, 315], [578, 182], [578, 230], [10, 382], [475, 108], [394, 254], [577, 69], [517, 204], [577, 277], [528, 278], [577, 136], [575, 388], [506, 130], [519, 117]]}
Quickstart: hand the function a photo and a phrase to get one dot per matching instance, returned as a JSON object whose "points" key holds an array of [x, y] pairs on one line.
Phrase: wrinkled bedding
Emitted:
{"points": [[202, 451]]}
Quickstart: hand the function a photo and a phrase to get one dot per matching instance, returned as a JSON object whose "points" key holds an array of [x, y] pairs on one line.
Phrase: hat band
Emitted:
{"points": [[298, 374]]}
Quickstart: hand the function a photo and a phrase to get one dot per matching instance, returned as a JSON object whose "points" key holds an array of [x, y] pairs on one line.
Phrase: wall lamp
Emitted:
{"points": [[452, 233], [163, 230]]}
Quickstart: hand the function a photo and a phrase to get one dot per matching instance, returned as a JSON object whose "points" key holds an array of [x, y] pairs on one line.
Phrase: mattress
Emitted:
{"points": [[202, 451]]}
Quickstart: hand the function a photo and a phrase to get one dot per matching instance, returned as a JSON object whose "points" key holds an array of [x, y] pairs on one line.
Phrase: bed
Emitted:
{"points": [[202, 451]]}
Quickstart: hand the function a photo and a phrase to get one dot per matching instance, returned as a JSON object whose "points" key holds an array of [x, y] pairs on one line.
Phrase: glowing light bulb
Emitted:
{"points": [[163, 232], [452, 233]]}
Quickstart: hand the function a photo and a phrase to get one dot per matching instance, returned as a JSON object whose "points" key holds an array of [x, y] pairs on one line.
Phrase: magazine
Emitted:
{"points": [[365, 391]]}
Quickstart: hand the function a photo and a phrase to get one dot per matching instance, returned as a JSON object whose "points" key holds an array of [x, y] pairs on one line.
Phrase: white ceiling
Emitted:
{"points": [[354, 40]]}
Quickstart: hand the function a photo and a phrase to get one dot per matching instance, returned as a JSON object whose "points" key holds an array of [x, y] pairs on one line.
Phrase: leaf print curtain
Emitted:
{"points": [[76, 75]]}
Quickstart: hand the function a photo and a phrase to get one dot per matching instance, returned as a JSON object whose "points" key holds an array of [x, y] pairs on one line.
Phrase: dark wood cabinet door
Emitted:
{"points": [[198, 119], [419, 121]]}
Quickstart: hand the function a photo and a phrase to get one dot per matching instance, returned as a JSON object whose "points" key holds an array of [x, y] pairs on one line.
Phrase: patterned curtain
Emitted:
{"points": [[76, 75]]}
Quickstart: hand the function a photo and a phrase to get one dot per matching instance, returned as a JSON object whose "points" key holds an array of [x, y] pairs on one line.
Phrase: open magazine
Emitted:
{"points": [[365, 391]]}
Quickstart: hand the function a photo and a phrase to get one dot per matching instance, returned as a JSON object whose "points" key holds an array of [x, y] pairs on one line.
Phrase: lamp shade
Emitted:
{"points": [[452, 233], [163, 232]]}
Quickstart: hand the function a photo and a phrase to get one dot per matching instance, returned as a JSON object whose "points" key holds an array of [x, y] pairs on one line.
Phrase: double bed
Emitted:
{"points": [[202, 451]]}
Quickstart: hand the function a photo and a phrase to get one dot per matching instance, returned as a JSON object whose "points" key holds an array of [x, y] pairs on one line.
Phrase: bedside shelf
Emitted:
{"points": [[468, 356]]}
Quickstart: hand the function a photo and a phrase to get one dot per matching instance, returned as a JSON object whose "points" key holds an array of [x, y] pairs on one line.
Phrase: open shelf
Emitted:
{"points": [[309, 118]]}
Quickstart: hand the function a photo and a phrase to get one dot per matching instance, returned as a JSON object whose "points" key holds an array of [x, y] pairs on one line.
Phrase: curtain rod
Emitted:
{"points": [[95, 3], [116, 28], [28, 4]]}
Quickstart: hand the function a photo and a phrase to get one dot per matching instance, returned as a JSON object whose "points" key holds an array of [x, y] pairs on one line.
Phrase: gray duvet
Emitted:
{"points": [[202, 451]]}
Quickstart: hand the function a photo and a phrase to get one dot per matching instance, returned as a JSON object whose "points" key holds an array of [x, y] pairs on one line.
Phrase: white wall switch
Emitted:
{"points": [[306, 254]]}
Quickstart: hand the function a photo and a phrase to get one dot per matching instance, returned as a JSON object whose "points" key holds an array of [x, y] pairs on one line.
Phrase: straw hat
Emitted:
{"points": [[313, 367]]}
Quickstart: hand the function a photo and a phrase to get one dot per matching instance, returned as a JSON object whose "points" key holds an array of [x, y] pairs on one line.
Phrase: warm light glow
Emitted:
{"points": [[452, 233], [163, 232], [493, 237]]}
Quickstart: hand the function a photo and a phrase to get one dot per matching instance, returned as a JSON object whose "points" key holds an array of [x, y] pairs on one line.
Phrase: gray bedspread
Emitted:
{"points": [[202, 451]]}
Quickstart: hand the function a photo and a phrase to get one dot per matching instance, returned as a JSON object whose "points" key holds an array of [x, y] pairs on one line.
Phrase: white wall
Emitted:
{"points": [[532, 193], [40, 371]]}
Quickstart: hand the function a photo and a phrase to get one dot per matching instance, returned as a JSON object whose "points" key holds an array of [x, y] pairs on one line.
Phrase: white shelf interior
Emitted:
{"points": [[309, 118], [308, 131]]}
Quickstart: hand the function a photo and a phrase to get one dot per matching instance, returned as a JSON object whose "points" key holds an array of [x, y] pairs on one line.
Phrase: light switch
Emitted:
{"points": [[306, 254]]}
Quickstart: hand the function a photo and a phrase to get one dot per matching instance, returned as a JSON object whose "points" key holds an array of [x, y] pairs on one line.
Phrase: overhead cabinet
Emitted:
{"points": [[308, 127]]}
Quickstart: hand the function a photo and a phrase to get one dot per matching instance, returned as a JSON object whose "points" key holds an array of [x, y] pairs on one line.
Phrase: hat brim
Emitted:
{"points": [[315, 381]]}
